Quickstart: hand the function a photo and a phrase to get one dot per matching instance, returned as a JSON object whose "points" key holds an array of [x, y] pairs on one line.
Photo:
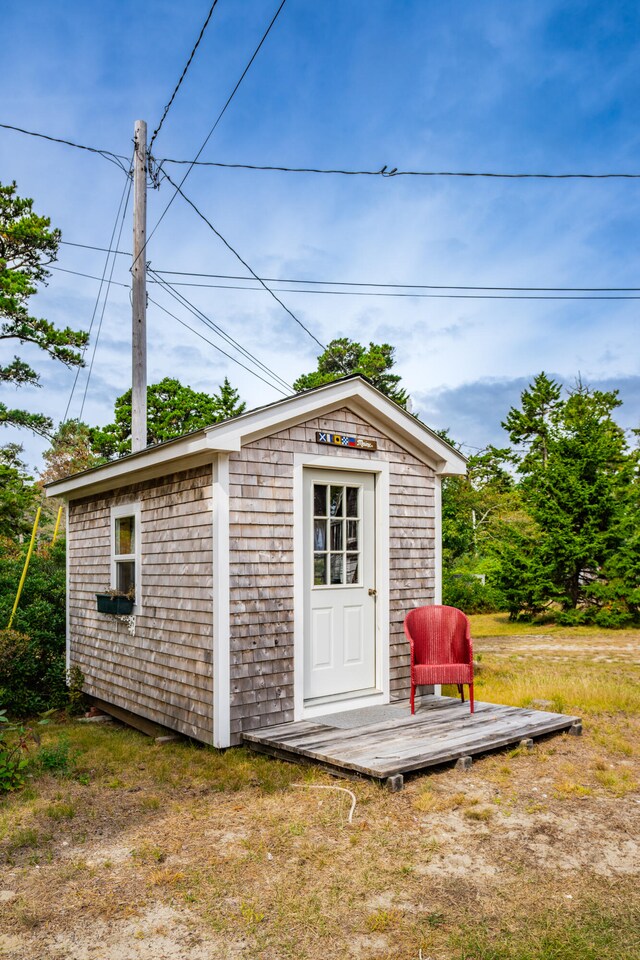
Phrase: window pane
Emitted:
{"points": [[352, 568], [336, 568], [337, 505], [336, 534], [352, 535], [319, 499], [125, 535], [125, 576], [319, 534], [352, 501], [319, 569]]}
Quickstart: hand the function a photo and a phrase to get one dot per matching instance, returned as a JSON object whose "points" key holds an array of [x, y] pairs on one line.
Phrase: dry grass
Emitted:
{"points": [[530, 855]]}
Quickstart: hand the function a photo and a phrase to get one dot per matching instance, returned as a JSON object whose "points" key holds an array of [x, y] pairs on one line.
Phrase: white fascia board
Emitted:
{"points": [[143, 466], [229, 436], [369, 402]]}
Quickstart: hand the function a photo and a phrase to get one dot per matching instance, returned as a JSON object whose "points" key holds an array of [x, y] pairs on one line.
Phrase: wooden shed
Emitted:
{"points": [[273, 556]]}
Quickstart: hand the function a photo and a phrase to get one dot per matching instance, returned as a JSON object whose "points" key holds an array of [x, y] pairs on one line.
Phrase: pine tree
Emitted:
{"points": [[344, 356], [27, 247]]}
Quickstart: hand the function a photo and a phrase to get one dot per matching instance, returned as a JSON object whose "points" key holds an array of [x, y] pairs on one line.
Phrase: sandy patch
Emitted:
{"points": [[161, 933]]}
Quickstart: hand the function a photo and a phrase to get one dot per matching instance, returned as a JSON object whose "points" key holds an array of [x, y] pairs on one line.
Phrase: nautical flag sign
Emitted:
{"points": [[342, 440]]}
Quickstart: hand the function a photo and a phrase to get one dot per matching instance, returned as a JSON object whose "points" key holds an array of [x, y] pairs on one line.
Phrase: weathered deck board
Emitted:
{"points": [[442, 730]]}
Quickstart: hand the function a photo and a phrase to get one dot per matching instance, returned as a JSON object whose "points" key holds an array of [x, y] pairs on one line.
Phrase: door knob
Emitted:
{"points": [[373, 592]]}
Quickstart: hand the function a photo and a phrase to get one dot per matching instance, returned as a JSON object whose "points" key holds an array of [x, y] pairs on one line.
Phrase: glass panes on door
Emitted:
{"points": [[337, 534]]}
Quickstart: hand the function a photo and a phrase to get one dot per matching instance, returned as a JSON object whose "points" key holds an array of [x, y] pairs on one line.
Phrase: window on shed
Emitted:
{"points": [[124, 560]]}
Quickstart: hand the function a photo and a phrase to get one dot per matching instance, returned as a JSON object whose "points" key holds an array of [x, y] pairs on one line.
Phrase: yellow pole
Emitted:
{"points": [[55, 532], [26, 567]]}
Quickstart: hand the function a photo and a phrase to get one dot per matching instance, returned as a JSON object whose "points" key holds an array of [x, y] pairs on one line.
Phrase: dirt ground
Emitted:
{"points": [[147, 852]]}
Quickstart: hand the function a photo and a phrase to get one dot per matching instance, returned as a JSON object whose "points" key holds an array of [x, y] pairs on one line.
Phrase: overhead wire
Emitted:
{"points": [[211, 131], [182, 76], [122, 206], [104, 304], [215, 346], [221, 286], [220, 331], [116, 158], [201, 316], [345, 283], [246, 265], [386, 171]]}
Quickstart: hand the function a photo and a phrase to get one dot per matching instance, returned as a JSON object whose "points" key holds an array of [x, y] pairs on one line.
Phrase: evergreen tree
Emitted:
{"points": [[172, 411], [18, 494], [27, 246], [70, 452], [577, 473], [344, 356]]}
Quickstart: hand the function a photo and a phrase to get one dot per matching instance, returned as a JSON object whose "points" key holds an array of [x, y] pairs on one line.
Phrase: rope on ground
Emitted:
{"points": [[320, 786]]}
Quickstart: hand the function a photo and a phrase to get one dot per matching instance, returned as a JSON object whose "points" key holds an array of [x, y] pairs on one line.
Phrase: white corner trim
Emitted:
{"points": [[221, 593], [437, 559], [437, 555], [380, 470], [67, 562]]}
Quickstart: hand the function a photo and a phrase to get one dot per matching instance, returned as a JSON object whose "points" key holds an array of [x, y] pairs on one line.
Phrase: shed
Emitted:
{"points": [[273, 556]]}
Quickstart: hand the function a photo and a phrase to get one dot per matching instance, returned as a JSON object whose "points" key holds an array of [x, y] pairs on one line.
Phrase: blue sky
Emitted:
{"points": [[415, 84]]}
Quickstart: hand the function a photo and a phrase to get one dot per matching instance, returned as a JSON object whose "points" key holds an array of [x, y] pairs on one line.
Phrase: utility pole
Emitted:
{"points": [[139, 292]]}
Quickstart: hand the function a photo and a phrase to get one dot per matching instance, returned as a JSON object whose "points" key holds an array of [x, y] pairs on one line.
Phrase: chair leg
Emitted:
{"points": [[471, 704], [461, 691], [413, 698]]}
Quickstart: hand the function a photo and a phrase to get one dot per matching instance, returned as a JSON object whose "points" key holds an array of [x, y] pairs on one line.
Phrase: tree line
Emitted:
{"points": [[546, 525]]}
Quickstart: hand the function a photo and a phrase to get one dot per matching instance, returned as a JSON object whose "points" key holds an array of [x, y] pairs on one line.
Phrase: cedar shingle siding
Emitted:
{"points": [[261, 557], [164, 672]]}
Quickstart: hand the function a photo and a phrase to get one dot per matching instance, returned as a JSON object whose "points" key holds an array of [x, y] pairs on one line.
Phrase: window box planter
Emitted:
{"points": [[106, 603]]}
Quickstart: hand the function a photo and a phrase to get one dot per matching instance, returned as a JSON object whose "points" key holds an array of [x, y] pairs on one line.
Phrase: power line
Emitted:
{"points": [[102, 279], [387, 171], [245, 264], [433, 296], [401, 286], [215, 346], [90, 246], [346, 283], [88, 276], [211, 131], [377, 293], [384, 171], [220, 331], [196, 312], [104, 304], [116, 158], [183, 75]]}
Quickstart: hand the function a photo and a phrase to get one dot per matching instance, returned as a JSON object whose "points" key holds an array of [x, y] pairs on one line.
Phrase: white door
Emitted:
{"points": [[340, 594]]}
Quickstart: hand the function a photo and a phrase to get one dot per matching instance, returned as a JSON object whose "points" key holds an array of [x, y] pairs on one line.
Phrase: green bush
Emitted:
{"points": [[32, 654], [57, 758], [469, 594], [13, 759]]}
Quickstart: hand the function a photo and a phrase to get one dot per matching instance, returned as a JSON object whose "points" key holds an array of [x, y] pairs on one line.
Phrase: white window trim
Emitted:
{"points": [[380, 470], [128, 510]]}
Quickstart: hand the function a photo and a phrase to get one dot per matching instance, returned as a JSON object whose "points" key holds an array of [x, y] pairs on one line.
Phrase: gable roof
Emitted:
{"points": [[197, 448]]}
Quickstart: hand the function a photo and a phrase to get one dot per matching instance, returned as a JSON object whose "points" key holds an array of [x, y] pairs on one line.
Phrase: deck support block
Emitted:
{"points": [[576, 729], [526, 744], [395, 783], [464, 763]]}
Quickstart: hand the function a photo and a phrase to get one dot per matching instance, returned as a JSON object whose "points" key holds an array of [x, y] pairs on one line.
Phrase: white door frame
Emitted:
{"points": [[380, 470]]}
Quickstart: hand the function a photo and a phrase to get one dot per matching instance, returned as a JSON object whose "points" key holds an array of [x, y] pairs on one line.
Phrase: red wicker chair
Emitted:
{"points": [[441, 649]]}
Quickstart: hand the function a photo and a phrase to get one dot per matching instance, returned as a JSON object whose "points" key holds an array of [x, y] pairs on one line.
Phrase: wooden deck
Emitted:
{"points": [[387, 742]]}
